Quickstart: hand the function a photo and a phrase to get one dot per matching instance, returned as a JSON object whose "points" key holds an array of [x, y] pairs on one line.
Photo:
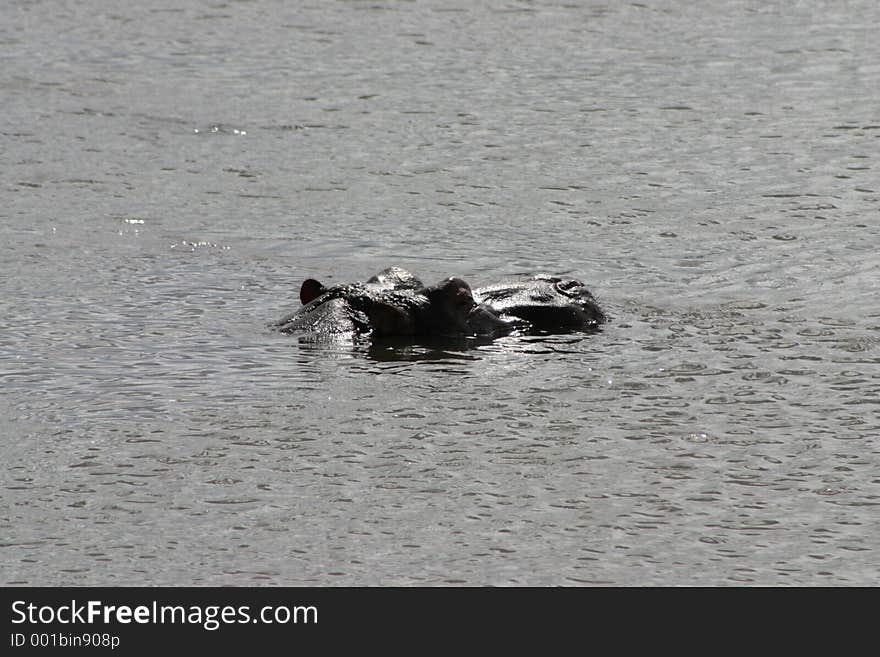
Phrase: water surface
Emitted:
{"points": [[171, 173]]}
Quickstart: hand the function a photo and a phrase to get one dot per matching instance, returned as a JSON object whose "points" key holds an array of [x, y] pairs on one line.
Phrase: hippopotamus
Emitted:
{"points": [[396, 303], [392, 303]]}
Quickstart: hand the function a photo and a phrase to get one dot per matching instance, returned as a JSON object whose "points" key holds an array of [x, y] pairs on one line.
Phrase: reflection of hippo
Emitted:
{"points": [[394, 302]]}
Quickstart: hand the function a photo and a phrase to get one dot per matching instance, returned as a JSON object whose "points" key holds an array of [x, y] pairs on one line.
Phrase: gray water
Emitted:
{"points": [[171, 172]]}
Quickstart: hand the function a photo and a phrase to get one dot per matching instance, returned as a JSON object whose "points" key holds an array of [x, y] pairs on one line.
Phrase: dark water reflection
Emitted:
{"points": [[169, 180], [390, 350]]}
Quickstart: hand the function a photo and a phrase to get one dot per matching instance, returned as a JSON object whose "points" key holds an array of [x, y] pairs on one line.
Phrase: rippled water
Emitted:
{"points": [[171, 174]]}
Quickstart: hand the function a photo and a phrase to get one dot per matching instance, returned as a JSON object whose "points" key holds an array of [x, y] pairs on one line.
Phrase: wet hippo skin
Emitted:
{"points": [[394, 302]]}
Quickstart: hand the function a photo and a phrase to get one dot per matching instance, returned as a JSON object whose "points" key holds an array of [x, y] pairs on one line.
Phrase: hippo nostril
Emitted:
{"points": [[569, 287]]}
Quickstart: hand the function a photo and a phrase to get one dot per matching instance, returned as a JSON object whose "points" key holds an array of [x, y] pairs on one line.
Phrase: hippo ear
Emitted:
{"points": [[310, 290]]}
